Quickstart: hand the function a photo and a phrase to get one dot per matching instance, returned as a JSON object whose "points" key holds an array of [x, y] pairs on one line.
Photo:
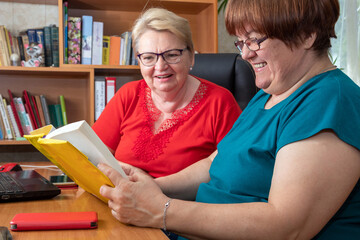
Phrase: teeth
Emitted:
{"points": [[260, 65], [164, 76]]}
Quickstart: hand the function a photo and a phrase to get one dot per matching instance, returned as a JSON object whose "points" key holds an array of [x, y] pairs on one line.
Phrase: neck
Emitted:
{"points": [[168, 102], [310, 70]]}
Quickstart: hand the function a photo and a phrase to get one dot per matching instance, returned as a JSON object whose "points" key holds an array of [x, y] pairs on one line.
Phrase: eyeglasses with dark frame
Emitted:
{"points": [[171, 56], [253, 44]]}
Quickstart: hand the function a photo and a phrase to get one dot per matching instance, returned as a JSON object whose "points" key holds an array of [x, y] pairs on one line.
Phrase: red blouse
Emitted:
{"points": [[193, 132]]}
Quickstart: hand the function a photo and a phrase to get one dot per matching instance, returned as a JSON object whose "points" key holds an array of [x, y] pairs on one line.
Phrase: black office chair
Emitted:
{"points": [[228, 70]]}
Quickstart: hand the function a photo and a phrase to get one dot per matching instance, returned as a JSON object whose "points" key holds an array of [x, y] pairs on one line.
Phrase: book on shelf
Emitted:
{"points": [[21, 48], [5, 120], [97, 44], [47, 44], [31, 35], [1, 129], [23, 115], [99, 96], [65, 35], [4, 51], [55, 45], [55, 115], [106, 50], [36, 111], [40, 110], [63, 109], [9, 41], [122, 44], [25, 43], [15, 43], [76, 150], [14, 126], [45, 108], [110, 88], [86, 39], [29, 106], [40, 38], [114, 54], [74, 40], [15, 112], [125, 60]]}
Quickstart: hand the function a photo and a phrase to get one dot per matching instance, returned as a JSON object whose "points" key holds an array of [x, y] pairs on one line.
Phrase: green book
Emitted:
{"points": [[63, 110]]}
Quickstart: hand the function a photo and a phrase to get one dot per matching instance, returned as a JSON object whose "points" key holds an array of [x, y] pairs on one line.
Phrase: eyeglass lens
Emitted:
{"points": [[171, 56]]}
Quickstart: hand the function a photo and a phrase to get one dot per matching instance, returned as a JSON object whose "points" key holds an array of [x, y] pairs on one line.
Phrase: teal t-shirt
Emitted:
{"points": [[243, 168]]}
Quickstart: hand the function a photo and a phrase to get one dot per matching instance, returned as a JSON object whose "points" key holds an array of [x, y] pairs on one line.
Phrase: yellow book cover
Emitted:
{"points": [[106, 50], [77, 156]]}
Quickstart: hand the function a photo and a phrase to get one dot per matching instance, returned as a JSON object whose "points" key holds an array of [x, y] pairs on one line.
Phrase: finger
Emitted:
{"points": [[106, 191], [111, 173]]}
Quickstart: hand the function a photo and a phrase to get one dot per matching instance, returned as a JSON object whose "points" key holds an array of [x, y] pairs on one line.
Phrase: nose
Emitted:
{"points": [[161, 63], [247, 54]]}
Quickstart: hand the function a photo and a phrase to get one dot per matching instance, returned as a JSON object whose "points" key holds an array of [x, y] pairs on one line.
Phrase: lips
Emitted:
{"points": [[164, 76]]}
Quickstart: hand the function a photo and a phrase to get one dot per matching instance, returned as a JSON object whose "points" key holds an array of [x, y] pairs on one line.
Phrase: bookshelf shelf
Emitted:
{"points": [[76, 82]]}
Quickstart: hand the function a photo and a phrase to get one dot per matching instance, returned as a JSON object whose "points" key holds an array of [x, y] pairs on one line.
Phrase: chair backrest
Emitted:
{"points": [[228, 70]]}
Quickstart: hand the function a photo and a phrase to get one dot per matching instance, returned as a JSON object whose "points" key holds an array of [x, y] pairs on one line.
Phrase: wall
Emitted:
{"points": [[32, 14], [19, 17]]}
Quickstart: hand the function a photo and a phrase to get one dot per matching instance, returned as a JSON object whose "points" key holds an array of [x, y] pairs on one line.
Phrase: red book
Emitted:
{"points": [[36, 111], [30, 109], [110, 88], [16, 115]]}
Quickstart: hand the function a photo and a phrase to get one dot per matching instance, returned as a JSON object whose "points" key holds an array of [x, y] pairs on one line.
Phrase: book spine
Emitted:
{"points": [[45, 108], [29, 109], [41, 43], [74, 40], [36, 112], [40, 109], [63, 110], [20, 108], [58, 115], [21, 48], [15, 112], [4, 52], [8, 41], [122, 46], [110, 88], [48, 51], [99, 96], [86, 38], [65, 7], [114, 55], [9, 119], [106, 50], [13, 122], [31, 33], [25, 41], [8, 134], [55, 45], [52, 114], [97, 51]]}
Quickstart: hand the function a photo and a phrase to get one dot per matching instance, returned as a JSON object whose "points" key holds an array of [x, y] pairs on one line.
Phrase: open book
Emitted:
{"points": [[76, 150]]}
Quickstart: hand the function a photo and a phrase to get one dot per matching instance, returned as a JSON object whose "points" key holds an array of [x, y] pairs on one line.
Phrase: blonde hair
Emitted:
{"points": [[160, 19]]}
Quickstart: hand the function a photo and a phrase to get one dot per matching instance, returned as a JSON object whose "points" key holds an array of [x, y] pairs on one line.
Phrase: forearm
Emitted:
{"points": [[227, 221], [184, 184]]}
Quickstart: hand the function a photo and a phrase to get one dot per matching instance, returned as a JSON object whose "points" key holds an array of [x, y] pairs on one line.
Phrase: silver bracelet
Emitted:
{"points": [[167, 205]]}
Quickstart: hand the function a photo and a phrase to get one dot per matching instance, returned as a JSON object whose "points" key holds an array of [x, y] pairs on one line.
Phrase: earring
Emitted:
{"points": [[191, 68]]}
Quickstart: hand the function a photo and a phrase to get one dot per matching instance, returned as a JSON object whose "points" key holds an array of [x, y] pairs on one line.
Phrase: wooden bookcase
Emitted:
{"points": [[76, 82]]}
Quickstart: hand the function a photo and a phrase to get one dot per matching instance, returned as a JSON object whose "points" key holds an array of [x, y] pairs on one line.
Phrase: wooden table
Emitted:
{"points": [[71, 200]]}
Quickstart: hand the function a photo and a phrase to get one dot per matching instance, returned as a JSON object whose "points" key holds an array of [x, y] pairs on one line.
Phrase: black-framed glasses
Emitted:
{"points": [[253, 44], [171, 56]]}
